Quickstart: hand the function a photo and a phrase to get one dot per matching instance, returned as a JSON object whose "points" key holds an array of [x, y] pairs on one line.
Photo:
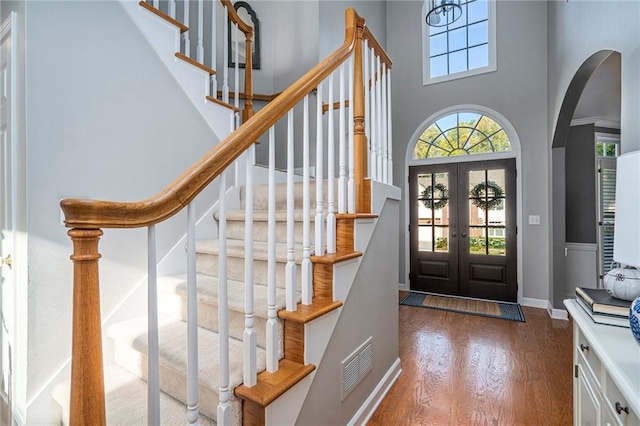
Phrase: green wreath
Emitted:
{"points": [[487, 195], [429, 202]]}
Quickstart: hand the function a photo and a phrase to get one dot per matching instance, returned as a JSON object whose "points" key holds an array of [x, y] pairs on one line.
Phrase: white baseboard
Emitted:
{"points": [[403, 286], [545, 304], [367, 409]]}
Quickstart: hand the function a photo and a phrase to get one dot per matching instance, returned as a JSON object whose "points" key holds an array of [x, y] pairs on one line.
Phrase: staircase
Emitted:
{"points": [[262, 284]]}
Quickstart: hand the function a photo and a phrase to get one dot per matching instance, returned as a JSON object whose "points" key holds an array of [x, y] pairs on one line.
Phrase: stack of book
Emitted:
{"points": [[602, 307]]}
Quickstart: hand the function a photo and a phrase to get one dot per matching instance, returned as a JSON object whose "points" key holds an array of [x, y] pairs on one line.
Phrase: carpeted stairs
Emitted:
{"points": [[125, 380]]}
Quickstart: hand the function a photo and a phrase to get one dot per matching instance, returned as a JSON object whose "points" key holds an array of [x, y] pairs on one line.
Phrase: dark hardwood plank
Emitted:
{"points": [[467, 370]]}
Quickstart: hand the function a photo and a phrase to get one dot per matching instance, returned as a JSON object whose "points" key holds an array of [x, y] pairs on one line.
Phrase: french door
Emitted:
{"points": [[463, 229]]}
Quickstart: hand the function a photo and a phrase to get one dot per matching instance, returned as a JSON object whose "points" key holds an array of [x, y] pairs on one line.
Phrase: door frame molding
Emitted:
{"points": [[515, 153]]}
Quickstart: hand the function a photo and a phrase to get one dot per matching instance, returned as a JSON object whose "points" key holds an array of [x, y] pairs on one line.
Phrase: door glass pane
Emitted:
{"points": [[433, 212], [487, 219]]}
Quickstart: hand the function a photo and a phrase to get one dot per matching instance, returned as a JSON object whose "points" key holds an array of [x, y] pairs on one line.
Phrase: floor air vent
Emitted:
{"points": [[355, 367]]}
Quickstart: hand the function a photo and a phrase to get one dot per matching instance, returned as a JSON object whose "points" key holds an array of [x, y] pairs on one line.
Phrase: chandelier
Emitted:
{"points": [[442, 12]]}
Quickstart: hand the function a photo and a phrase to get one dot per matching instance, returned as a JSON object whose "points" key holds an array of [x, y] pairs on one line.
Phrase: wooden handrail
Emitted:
{"points": [[235, 18], [375, 45], [96, 214]]}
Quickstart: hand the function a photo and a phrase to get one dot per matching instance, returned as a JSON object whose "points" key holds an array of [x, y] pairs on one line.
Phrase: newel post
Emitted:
{"points": [[87, 377], [248, 111], [363, 193]]}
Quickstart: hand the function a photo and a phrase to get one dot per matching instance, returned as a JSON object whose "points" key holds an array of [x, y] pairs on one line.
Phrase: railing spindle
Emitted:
{"points": [[351, 184], [307, 291], [172, 8], [342, 162], [193, 414], [385, 149], [389, 130], [224, 391], [272, 322], [185, 35], [249, 336], [331, 174], [236, 68], [153, 357], [214, 47], [371, 117], [156, 4], [200, 42], [225, 56], [290, 269], [319, 223], [378, 112]]}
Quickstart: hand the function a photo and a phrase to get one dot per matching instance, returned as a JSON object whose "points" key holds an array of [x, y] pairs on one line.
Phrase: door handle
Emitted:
{"points": [[7, 261], [464, 235]]}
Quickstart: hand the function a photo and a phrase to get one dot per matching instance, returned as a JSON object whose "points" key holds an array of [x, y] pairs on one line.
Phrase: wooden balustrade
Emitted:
{"points": [[88, 217]]}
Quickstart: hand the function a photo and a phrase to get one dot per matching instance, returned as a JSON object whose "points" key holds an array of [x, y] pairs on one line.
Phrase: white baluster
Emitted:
{"points": [[156, 4], [367, 99], [185, 35], [272, 322], [307, 290], [331, 174], [373, 142], [351, 183], [153, 361], [249, 336], [389, 129], [379, 138], [342, 162], [383, 123], [225, 56], [214, 47], [319, 223], [224, 391], [200, 43], [172, 8], [236, 69], [290, 269], [192, 319]]}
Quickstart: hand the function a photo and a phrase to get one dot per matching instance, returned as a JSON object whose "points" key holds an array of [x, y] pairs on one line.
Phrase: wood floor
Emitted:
{"points": [[468, 370]]}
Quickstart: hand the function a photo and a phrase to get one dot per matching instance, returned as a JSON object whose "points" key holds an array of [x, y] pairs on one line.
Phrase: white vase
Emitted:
{"points": [[623, 283], [634, 319]]}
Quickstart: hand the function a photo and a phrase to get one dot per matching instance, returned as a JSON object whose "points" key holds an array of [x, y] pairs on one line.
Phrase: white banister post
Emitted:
{"points": [[371, 118], [224, 391], [192, 319], [225, 56], [156, 4], [331, 174], [272, 322], [172, 8], [153, 360], [290, 269], [200, 42], [367, 108], [185, 35], [378, 113], [236, 70], [383, 122], [307, 290], [319, 223], [351, 183], [389, 129], [342, 163], [214, 47], [249, 335]]}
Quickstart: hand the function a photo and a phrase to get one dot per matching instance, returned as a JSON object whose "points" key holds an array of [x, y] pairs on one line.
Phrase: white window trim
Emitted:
{"points": [[606, 138], [493, 62]]}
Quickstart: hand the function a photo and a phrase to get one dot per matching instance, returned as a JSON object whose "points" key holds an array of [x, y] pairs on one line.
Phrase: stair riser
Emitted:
{"points": [[175, 306], [235, 231], [207, 264], [173, 383]]}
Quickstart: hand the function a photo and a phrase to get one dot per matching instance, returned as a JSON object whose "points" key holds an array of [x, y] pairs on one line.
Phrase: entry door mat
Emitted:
{"points": [[464, 305]]}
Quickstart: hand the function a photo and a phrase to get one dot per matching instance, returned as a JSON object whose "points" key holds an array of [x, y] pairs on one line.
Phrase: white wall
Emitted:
{"points": [[107, 121], [517, 90]]}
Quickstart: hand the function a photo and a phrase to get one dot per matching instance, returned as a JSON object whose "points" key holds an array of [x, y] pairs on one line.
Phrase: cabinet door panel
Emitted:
{"points": [[588, 402]]}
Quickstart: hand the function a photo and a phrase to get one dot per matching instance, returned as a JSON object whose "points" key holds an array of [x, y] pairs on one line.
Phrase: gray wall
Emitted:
{"points": [[580, 181], [371, 309], [517, 90], [106, 120], [577, 33]]}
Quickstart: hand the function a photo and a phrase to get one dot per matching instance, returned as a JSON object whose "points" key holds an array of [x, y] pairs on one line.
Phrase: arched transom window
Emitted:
{"points": [[461, 133]]}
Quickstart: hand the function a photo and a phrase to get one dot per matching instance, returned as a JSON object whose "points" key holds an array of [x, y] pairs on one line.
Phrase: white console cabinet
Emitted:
{"points": [[606, 385]]}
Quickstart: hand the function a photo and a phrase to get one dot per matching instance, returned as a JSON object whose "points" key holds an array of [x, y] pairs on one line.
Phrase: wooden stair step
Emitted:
{"points": [[195, 63], [222, 103], [182, 27], [306, 313]]}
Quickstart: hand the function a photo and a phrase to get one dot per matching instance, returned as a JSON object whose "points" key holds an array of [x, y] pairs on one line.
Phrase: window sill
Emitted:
{"points": [[478, 71]]}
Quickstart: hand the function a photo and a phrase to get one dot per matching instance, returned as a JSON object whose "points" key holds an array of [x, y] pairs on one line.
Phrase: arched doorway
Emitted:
{"points": [[462, 203], [580, 163]]}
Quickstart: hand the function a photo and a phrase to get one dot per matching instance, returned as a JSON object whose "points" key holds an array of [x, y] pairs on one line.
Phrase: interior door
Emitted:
{"points": [[463, 229], [7, 234]]}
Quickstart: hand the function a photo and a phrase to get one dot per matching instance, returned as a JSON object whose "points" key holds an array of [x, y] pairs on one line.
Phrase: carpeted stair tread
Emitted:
{"points": [[173, 353], [235, 248], [261, 195], [208, 292], [263, 215], [126, 401]]}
